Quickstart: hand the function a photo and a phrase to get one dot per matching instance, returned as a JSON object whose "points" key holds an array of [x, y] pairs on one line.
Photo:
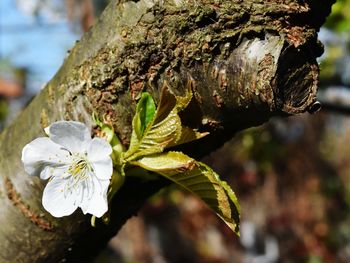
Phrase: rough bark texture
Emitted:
{"points": [[247, 61]]}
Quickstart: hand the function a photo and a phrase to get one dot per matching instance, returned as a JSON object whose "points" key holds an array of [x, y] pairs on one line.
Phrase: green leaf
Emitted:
{"points": [[169, 162], [155, 138], [188, 135], [145, 111], [96, 119], [163, 129], [199, 179]]}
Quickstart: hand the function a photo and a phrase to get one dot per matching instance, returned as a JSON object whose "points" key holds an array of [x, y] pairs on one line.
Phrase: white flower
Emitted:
{"points": [[79, 168]]}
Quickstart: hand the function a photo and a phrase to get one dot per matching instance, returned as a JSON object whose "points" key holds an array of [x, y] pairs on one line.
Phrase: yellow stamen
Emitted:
{"points": [[79, 172]]}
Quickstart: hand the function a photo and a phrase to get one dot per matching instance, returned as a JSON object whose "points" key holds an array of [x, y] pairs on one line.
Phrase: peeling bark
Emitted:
{"points": [[247, 61]]}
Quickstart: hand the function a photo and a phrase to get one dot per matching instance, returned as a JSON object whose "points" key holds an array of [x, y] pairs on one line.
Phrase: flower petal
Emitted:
{"points": [[50, 171], [72, 135], [103, 169], [56, 201], [43, 152], [97, 205], [98, 149], [98, 152]]}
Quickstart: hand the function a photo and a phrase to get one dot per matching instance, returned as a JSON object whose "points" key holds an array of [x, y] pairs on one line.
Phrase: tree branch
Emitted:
{"points": [[246, 60]]}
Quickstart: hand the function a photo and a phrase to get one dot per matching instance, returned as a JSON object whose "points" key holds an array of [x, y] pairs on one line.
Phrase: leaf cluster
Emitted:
{"points": [[155, 131]]}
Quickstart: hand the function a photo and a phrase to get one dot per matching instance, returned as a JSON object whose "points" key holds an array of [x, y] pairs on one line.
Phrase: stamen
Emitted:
{"points": [[79, 176]]}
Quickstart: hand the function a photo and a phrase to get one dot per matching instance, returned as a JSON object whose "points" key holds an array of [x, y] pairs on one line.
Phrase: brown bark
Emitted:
{"points": [[247, 61]]}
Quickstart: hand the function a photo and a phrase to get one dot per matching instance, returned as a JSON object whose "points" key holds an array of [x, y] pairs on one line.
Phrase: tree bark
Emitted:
{"points": [[246, 60]]}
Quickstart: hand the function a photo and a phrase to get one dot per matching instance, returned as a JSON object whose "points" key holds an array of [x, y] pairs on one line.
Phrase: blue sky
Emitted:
{"points": [[38, 44]]}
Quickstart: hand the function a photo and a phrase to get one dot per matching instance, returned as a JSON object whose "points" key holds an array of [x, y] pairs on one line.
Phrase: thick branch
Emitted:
{"points": [[247, 61]]}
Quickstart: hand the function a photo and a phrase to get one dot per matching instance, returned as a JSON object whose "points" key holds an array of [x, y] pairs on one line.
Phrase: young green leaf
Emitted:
{"points": [[178, 104], [187, 135], [169, 162], [155, 138], [169, 102], [199, 179], [162, 130], [145, 111]]}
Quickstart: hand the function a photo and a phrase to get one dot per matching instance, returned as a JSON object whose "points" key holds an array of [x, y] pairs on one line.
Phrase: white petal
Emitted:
{"points": [[98, 152], [50, 171], [55, 201], [98, 149], [72, 135], [97, 205], [43, 152], [103, 169]]}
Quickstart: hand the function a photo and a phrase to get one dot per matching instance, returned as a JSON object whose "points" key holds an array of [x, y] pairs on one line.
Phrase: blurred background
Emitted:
{"points": [[292, 176]]}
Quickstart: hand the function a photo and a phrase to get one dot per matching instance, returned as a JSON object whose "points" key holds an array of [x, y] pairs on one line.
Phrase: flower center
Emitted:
{"points": [[79, 167], [79, 174]]}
